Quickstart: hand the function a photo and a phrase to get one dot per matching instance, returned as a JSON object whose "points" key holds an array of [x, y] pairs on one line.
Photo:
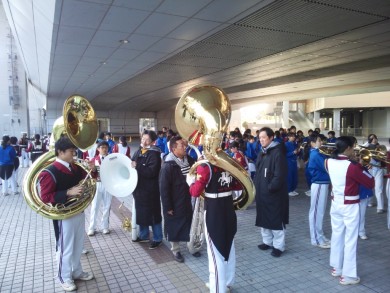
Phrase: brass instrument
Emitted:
{"points": [[79, 123], [327, 149], [203, 114], [366, 154]]}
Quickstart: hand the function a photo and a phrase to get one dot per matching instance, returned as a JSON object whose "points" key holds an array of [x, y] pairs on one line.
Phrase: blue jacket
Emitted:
{"points": [[316, 167], [291, 147], [7, 155], [365, 192], [251, 152], [161, 142]]}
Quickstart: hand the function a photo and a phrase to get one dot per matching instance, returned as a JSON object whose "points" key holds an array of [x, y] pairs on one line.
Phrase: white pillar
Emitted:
{"points": [[316, 119], [286, 114], [337, 121]]}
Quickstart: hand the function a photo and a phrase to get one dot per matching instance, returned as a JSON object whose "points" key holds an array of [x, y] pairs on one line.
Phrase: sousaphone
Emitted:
{"points": [[79, 123]]}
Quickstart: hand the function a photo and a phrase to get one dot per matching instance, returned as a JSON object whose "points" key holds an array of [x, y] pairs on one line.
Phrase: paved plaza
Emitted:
{"points": [[27, 256]]}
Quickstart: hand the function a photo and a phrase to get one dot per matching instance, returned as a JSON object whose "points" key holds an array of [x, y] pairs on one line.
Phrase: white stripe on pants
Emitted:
{"points": [[70, 246], [101, 195], [275, 238], [363, 208], [345, 225], [378, 175], [388, 202], [25, 158], [318, 201], [221, 272]]}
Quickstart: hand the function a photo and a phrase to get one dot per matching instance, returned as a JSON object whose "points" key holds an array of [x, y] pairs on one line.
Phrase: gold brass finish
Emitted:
{"points": [[202, 116], [79, 123]]}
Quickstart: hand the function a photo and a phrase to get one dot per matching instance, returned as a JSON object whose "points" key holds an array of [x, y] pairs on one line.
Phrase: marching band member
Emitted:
{"points": [[101, 196], [346, 176], [14, 177], [320, 182], [36, 148], [110, 142], [23, 143], [122, 147], [59, 182], [220, 222], [376, 171], [147, 162]]}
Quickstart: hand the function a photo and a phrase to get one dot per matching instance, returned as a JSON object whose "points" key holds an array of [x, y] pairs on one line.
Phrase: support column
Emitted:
{"points": [[337, 121], [316, 119], [286, 114]]}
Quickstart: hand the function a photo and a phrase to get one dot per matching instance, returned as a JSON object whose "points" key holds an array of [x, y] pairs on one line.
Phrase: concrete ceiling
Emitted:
{"points": [[255, 50]]}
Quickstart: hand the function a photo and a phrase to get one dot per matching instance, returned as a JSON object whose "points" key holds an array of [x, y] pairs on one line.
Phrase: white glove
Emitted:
{"points": [[190, 179]]}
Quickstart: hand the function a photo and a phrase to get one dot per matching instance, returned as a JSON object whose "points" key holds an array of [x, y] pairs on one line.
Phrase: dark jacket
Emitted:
{"points": [[147, 194], [272, 202], [175, 195]]}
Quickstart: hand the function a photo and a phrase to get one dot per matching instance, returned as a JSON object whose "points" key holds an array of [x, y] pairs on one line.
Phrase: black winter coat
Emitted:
{"points": [[272, 201], [147, 193], [175, 195]]}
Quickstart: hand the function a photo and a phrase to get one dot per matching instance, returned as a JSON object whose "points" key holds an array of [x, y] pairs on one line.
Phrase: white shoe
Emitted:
{"points": [[69, 286], [91, 232], [85, 276], [324, 245], [349, 281], [106, 231], [363, 237], [84, 251], [208, 287], [308, 193], [292, 193]]}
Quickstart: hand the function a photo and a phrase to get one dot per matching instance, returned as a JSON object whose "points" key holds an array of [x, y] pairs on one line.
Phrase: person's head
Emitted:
{"points": [[65, 149], [345, 146], [232, 134], [372, 139], [164, 129], [331, 134], [123, 140], [108, 135], [291, 136], [234, 147], [293, 129], [160, 133], [277, 134], [148, 138], [37, 137], [315, 141], [101, 136], [5, 141], [178, 146], [266, 136], [281, 130], [102, 147], [300, 133], [310, 132], [251, 139], [317, 129], [13, 140], [170, 133], [24, 135]]}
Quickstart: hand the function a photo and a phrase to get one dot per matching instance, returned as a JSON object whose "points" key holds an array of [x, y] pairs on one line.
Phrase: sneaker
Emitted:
{"points": [[308, 193], [264, 246], [380, 211], [208, 287], [370, 205], [91, 232], [335, 272], [5, 193], [155, 244], [325, 245], [106, 231], [140, 240], [197, 254], [349, 281], [84, 251], [292, 193], [178, 257], [69, 286], [363, 237], [85, 276], [276, 252]]}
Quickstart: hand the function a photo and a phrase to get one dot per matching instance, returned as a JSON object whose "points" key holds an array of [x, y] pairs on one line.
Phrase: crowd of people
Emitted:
{"points": [[165, 190]]}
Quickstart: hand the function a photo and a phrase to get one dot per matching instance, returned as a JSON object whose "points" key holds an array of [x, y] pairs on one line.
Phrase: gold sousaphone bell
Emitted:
{"points": [[79, 123]]}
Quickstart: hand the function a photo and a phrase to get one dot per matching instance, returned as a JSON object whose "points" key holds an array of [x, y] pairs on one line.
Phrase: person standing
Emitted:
{"points": [[102, 196], [147, 162], [110, 142], [122, 147], [59, 182], [23, 143], [37, 148], [220, 222], [175, 195], [14, 144], [320, 182], [7, 159], [292, 165], [346, 176], [272, 200]]}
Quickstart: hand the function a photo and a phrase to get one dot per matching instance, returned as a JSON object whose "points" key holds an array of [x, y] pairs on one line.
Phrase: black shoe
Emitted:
{"points": [[197, 254], [155, 244], [276, 252], [264, 246], [178, 257], [140, 240]]}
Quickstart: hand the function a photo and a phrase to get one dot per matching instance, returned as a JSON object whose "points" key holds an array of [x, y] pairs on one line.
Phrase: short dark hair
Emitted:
{"points": [[108, 133], [342, 143], [37, 136], [234, 144], [103, 143], [332, 133], [63, 144], [291, 134], [270, 133], [371, 137], [13, 140], [173, 141], [152, 134]]}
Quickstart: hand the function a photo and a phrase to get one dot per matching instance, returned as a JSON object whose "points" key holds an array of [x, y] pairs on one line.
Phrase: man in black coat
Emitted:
{"points": [[147, 162], [175, 195], [272, 202]]}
